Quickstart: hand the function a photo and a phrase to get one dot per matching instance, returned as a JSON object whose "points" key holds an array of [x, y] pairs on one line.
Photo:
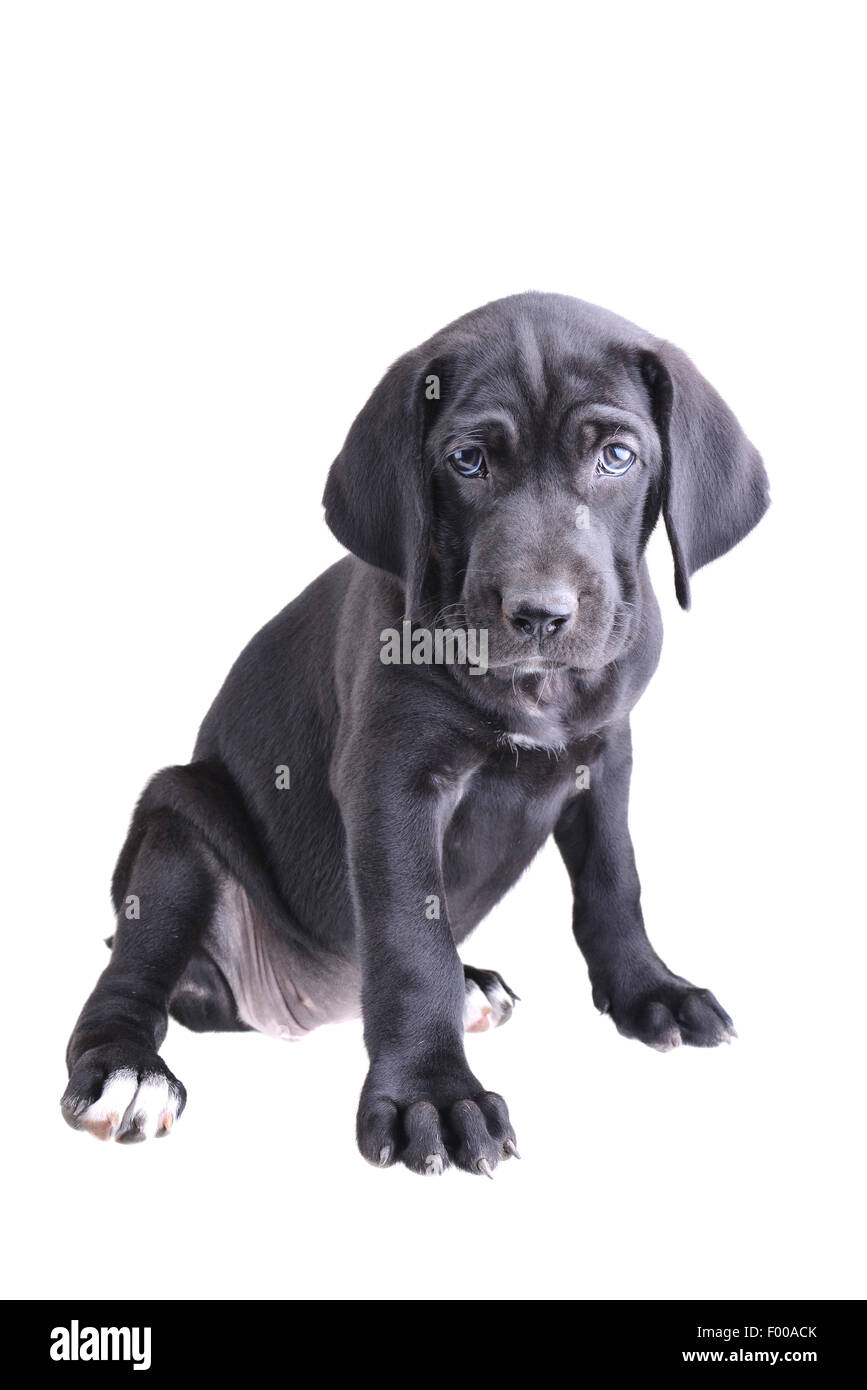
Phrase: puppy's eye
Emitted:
{"points": [[470, 463], [615, 460]]}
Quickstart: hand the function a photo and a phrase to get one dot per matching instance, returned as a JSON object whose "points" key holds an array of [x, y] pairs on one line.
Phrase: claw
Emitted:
{"points": [[484, 1167], [384, 1155], [434, 1166], [509, 1148]]}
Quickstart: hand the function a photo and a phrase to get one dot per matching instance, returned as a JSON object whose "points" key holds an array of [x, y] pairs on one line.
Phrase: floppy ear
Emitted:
{"points": [[715, 488], [377, 497]]}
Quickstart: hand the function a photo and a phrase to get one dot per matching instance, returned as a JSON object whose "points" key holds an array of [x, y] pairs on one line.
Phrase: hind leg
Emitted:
{"points": [[119, 1088]]}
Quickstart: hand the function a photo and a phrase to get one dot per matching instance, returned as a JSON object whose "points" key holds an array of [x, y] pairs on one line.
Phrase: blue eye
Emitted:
{"points": [[470, 463], [615, 460]]}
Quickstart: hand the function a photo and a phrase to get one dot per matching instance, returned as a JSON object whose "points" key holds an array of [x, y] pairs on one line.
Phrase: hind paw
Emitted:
{"points": [[113, 1094], [488, 1001]]}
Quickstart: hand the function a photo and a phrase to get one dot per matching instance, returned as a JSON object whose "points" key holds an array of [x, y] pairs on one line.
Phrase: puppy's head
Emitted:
{"points": [[511, 470]]}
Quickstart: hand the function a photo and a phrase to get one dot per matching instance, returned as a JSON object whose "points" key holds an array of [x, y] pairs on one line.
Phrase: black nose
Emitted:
{"points": [[540, 615]]}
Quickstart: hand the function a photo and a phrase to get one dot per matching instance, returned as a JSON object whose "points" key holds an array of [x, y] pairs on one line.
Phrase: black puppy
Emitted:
{"points": [[360, 795]]}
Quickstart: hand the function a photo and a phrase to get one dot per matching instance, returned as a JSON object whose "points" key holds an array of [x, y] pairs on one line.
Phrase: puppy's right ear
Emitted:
{"points": [[377, 498]]}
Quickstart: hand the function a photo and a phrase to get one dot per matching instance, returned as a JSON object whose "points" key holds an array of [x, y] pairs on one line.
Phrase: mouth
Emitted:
{"points": [[524, 668]]}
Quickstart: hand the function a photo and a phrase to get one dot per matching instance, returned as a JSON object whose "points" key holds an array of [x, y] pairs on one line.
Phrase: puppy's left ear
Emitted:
{"points": [[715, 488], [377, 497]]}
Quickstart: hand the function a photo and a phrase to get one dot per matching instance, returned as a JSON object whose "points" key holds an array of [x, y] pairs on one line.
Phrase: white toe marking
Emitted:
{"points": [[150, 1106], [500, 1001], [484, 1009], [103, 1118], [477, 1010]]}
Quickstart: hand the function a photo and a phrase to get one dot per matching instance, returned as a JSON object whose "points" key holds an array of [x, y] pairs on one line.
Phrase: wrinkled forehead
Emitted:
{"points": [[533, 384]]}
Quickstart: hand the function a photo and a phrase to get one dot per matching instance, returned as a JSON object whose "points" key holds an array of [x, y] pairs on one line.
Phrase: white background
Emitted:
{"points": [[222, 222]]}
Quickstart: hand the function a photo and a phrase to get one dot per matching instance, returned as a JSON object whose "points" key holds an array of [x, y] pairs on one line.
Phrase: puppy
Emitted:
{"points": [[361, 794]]}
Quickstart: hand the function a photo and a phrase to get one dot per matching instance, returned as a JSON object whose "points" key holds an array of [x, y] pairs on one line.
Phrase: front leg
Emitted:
{"points": [[420, 1105], [645, 999]]}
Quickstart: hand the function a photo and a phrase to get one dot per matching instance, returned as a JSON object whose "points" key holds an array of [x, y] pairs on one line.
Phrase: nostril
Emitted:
{"points": [[540, 615]]}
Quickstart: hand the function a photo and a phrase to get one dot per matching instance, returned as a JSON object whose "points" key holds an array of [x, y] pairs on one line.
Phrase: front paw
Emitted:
{"points": [[429, 1123], [123, 1093], [665, 1011]]}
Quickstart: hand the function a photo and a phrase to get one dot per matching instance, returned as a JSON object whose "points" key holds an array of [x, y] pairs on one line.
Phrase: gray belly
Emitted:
{"points": [[280, 988]]}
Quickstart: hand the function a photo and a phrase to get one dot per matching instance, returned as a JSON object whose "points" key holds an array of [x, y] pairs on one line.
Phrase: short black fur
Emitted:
{"points": [[419, 793]]}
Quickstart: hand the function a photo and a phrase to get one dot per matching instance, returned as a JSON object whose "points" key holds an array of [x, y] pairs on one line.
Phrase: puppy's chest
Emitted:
{"points": [[501, 813]]}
